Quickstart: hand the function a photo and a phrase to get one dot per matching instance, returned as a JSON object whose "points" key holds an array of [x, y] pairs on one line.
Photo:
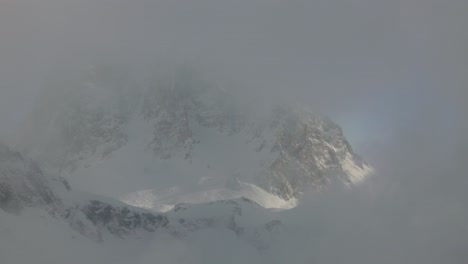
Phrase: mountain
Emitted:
{"points": [[25, 188], [187, 159], [179, 125]]}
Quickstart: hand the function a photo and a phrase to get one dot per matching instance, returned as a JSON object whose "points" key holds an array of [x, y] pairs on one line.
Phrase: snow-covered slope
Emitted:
{"points": [[29, 194], [162, 201]]}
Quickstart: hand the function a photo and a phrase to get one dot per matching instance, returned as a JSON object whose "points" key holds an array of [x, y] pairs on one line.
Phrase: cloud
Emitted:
{"points": [[335, 56], [392, 72]]}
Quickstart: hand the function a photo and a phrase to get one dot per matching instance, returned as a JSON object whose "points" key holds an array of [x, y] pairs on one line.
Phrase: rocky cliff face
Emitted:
{"points": [[22, 183], [311, 151]]}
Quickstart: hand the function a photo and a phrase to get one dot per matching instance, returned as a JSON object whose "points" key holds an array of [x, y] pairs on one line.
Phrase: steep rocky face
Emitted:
{"points": [[79, 120], [22, 183], [90, 133], [311, 151], [96, 219], [174, 107]]}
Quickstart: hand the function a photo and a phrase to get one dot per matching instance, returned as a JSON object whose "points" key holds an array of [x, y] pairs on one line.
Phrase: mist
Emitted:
{"points": [[341, 58], [393, 74]]}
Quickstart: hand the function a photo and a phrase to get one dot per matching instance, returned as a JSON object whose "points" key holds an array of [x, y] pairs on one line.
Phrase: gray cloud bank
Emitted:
{"points": [[343, 58], [393, 72]]}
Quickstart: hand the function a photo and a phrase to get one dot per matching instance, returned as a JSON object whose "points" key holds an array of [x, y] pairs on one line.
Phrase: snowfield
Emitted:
{"points": [[165, 200]]}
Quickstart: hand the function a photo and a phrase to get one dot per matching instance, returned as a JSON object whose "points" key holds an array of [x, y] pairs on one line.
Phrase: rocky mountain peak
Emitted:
{"points": [[311, 152]]}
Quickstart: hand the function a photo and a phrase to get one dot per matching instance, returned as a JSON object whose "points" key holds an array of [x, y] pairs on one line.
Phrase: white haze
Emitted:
{"points": [[394, 73]]}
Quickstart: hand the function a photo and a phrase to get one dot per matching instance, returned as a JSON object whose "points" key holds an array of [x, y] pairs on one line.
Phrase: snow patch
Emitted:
{"points": [[356, 174], [165, 200]]}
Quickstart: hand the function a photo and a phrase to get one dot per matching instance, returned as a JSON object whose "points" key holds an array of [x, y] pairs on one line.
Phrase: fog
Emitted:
{"points": [[393, 74], [388, 58]]}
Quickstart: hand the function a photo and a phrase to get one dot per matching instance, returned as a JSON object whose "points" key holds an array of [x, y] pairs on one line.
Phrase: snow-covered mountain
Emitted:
{"points": [[25, 188], [165, 200], [234, 165], [181, 127]]}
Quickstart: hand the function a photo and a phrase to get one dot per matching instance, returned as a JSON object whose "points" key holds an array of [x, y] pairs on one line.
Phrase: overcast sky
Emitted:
{"points": [[393, 73], [373, 65]]}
